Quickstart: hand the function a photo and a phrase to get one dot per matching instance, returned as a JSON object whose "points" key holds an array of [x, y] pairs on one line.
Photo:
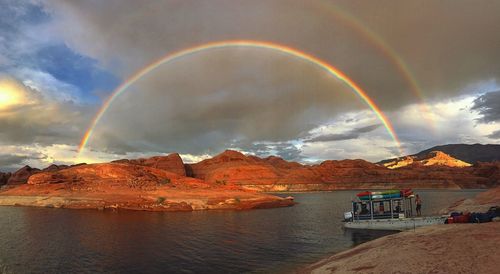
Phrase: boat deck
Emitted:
{"points": [[395, 224]]}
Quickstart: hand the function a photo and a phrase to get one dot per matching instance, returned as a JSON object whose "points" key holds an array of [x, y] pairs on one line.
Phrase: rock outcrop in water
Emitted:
{"points": [[131, 186], [234, 169]]}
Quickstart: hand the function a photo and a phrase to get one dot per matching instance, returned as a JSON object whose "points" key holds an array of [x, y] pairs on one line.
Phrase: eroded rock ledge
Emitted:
{"points": [[131, 186]]}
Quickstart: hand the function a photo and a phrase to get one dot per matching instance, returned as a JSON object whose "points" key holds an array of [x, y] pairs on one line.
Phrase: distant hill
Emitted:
{"points": [[233, 170], [432, 158], [468, 153]]}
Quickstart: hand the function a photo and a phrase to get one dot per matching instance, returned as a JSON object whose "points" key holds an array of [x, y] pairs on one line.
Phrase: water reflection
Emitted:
{"points": [[38, 240], [362, 236]]}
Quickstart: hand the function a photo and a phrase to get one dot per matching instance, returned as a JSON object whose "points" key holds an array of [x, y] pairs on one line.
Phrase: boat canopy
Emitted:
{"points": [[388, 204]]}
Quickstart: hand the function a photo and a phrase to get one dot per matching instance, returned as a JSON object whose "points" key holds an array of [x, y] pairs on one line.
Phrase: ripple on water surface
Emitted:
{"points": [[39, 240]]}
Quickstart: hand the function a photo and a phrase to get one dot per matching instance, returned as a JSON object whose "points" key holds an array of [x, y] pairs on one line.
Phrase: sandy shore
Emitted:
{"points": [[455, 248]]}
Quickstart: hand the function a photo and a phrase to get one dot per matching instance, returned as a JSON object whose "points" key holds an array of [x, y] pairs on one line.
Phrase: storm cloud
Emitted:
{"points": [[70, 55], [488, 106], [446, 44], [9, 159], [206, 100], [494, 135], [352, 134]]}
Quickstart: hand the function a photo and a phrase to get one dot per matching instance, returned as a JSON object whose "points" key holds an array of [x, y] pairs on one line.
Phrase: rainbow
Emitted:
{"points": [[389, 52], [248, 44]]}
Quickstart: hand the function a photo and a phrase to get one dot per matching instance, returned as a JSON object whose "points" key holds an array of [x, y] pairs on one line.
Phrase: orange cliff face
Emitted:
{"points": [[171, 162], [233, 172], [437, 170], [131, 186]]}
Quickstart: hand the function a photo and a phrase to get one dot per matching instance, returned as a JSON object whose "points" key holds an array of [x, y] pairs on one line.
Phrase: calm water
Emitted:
{"points": [[39, 240]]}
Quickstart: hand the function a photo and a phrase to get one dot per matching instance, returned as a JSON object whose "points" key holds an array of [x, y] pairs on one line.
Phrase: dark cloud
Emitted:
{"points": [[352, 134], [446, 45], [284, 150], [494, 135], [290, 153], [7, 160], [207, 100], [193, 109], [488, 106]]}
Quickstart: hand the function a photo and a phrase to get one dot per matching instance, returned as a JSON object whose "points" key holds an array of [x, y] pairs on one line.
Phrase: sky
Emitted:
{"points": [[431, 67]]}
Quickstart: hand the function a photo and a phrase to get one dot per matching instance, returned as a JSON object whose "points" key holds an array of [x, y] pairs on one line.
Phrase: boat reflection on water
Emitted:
{"points": [[359, 236]]}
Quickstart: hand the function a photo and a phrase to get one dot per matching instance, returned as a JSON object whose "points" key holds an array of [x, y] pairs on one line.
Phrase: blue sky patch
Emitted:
{"points": [[75, 69]]}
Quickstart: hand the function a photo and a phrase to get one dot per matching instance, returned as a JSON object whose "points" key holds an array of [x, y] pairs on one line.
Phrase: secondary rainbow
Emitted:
{"points": [[248, 44], [390, 53]]}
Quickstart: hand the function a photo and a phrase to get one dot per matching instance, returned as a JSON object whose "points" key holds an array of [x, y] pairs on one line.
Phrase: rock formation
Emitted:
{"points": [[131, 186], [468, 153], [21, 176], [232, 168], [171, 162], [436, 170], [4, 178], [430, 159], [55, 167]]}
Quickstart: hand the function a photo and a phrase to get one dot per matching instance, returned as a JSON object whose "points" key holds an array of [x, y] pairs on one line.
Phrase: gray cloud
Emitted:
{"points": [[194, 109], [447, 45], [352, 134], [488, 106], [494, 135], [284, 150], [7, 160], [207, 100]]}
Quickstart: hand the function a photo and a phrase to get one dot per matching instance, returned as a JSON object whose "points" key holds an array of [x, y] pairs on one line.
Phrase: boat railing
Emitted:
{"points": [[388, 208]]}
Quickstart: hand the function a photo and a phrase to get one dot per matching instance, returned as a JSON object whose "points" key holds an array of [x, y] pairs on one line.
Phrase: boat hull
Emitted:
{"points": [[395, 224]]}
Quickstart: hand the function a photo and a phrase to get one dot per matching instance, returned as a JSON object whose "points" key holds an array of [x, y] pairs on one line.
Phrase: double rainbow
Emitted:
{"points": [[248, 44]]}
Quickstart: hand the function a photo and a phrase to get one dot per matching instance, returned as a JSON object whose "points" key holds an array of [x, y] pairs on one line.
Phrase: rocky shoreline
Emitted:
{"points": [[144, 204], [453, 248], [132, 187], [230, 180]]}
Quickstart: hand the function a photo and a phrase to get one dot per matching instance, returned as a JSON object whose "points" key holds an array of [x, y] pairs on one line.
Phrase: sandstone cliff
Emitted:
{"points": [[437, 170], [232, 168], [430, 159], [4, 178], [471, 154], [21, 176], [131, 186], [171, 162]]}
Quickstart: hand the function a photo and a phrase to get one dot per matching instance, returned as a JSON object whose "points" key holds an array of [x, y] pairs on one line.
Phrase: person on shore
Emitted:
{"points": [[418, 202]]}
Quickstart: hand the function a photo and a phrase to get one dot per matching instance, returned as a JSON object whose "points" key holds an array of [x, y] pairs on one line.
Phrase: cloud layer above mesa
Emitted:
{"points": [[74, 53]]}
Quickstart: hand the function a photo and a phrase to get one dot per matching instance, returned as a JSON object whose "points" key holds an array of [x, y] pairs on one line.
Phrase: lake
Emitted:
{"points": [[43, 240]]}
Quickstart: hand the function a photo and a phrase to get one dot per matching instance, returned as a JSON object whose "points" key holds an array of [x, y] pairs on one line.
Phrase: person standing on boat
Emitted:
{"points": [[418, 202]]}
